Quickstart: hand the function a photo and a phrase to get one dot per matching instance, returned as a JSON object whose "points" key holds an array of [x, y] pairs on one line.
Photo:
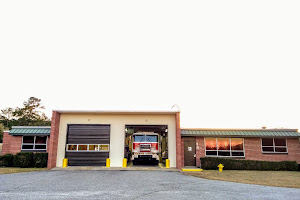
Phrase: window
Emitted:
{"points": [[151, 138], [272, 145], [103, 147], [72, 147], [139, 138], [93, 147], [82, 147], [233, 147], [38, 143], [88, 147]]}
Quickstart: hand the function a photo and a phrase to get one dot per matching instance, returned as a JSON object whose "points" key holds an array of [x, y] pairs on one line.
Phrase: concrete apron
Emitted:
{"points": [[131, 168]]}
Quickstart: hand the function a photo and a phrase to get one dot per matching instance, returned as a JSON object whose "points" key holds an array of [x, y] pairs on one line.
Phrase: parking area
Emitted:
{"points": [[130, 185]]}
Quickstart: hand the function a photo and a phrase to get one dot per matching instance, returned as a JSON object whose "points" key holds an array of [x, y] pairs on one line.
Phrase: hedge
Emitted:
{"points": [[40, 160], [7, 160], [211, 163], [24, 160]]}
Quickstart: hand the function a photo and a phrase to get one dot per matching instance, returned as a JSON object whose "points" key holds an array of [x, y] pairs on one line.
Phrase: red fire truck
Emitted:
{"points": [[145, 147]]}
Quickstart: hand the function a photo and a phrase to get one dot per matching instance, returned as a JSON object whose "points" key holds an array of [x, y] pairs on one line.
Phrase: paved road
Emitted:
{"points": [[130, 185]]}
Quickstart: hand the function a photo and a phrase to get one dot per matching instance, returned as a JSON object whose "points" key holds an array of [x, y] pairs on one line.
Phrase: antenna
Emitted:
{"points": [[176, 106]]}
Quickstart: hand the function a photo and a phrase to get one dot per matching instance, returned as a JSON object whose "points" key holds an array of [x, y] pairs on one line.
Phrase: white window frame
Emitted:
{"points": [[274, 146], [230, 150], [34, 143], [88, 148]]}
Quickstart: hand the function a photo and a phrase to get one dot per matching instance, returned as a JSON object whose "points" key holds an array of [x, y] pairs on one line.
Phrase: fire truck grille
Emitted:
{"points": [[145, 147]]}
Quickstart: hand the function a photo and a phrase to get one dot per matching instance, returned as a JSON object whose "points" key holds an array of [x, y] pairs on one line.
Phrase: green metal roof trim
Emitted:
{"points": [[288, 133], [30, 130]]}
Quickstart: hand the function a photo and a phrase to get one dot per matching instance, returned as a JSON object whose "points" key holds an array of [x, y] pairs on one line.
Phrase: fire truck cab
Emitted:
{"points": [[145, 146]]}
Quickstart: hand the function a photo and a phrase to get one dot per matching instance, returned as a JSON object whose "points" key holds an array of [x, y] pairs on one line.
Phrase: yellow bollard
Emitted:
{"points": [[124, 162], [107, 162], [167, 163], [65, 162], [220, 167]]}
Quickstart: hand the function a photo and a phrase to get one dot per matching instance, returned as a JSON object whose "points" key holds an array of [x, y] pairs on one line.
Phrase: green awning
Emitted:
{"points": [[30, 130], [286, 133]]}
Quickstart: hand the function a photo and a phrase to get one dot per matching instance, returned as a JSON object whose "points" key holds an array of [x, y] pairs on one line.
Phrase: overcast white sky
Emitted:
{"points": [[227, 64]]}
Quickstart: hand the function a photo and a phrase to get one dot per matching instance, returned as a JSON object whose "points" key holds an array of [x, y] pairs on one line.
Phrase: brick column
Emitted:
{"points": [[182, 152], [53, 140], [200, 150], [178, 142]]}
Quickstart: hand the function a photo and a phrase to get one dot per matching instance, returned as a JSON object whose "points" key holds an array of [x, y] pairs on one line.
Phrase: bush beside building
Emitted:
{"points": [[24, 160], [211, 163]]}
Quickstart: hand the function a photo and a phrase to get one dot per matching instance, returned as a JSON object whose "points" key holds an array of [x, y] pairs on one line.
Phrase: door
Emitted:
{"points": [[189, 152], [88, 144]]}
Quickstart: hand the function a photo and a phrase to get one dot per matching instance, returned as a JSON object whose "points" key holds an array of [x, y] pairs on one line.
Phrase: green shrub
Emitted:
{"points": [[40, 159], [7, 160], [23, 159], [211, 163], [290, 167]]}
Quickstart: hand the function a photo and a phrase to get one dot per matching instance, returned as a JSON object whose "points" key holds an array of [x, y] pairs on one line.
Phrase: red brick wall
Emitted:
{"points": [[11, 144], [48, 143], [182, 152], [253, 151], [53, 139], [179, 154], [200, 149]]}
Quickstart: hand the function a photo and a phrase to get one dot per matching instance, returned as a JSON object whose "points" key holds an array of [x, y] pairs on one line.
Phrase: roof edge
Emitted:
{"points": [[237, 129], [29, 134], [118, 111], [24, 127], [238, 136]]}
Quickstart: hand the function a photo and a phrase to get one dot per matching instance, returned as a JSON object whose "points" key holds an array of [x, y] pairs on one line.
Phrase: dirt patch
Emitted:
{"points": [[11, 170]]}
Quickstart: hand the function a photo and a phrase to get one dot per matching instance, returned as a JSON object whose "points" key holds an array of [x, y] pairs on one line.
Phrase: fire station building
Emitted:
{"points": [[88, 138]]}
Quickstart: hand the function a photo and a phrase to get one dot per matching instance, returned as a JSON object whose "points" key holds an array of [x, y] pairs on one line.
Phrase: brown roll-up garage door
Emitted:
{"points": [[88, 144]]}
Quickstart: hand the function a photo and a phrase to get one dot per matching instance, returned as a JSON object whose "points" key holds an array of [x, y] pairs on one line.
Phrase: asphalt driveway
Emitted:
{"points": [[130, 185]]}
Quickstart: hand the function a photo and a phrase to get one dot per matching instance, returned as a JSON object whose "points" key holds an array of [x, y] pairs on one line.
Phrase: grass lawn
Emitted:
{"points": [[289, 179], [11, 170]]}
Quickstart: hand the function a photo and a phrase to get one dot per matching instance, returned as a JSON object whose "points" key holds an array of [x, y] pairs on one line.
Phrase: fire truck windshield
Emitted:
{"points": [[151, 138], [145, 138], [139, 138]]}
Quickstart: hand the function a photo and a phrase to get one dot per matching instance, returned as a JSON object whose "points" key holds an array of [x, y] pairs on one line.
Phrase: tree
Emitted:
{"points": [[29, 115], [6, 116]]}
